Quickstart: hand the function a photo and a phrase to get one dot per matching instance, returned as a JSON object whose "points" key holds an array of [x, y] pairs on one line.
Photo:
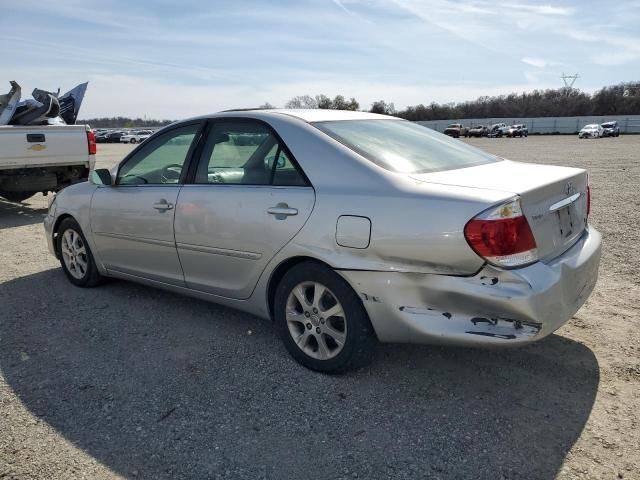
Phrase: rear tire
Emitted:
{"points": [[133, 140], [321, 320], [75, 255], [17, 196]]}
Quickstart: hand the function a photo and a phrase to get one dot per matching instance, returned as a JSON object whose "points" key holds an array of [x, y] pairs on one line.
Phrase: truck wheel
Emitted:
{"points": [[17, 196], [321, 320], [75, 255]]}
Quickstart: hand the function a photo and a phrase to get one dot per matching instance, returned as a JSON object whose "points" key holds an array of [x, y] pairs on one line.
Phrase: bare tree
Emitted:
{"points": [[324, 102], [383, 107], [302, 101], [266, 105]]}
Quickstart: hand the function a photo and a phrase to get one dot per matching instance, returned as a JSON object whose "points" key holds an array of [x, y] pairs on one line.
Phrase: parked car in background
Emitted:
{"points": [[102, 137], [517, 130], [478, 131], [592, 130], [114, 137], [498, 130], [456, 130], [136, 137], [610, 129], [484, 252]]}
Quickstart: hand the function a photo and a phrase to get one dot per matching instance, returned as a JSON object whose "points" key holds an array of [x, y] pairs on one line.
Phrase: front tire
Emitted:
{"points": [[133, 140], [75, 255], [321, 319]]}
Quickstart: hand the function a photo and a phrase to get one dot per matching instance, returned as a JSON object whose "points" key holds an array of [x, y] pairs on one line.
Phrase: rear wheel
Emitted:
{"points": [[321, 320], [17, 196], [133, 140], [75, 255]]}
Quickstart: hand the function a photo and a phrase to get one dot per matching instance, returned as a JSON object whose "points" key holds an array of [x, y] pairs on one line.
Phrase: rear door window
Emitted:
{"points": [[245, 153]]}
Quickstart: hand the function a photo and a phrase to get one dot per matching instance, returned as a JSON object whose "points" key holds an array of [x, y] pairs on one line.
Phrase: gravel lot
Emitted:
{"points": [[127, 381]]}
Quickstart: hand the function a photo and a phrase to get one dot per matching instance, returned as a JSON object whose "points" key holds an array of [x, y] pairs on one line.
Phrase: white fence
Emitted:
{"points": [[627, 123]]}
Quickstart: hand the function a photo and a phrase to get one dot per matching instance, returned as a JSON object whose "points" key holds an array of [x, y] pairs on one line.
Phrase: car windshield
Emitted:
{"points": [[404, 147], [591, 126]]}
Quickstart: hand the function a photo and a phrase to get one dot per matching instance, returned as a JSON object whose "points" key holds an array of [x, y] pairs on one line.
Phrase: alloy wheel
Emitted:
{"points": [[74, 254], [316, 320]]}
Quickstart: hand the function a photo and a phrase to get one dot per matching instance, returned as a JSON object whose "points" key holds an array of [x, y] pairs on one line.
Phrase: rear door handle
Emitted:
{"points": [[282, 211], [163, 205]]}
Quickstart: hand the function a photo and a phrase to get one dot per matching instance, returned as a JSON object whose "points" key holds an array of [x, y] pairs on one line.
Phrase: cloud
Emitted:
{"points": [[615, 58], [210, 56], [542, 9], [535, 62], [110, 95]]}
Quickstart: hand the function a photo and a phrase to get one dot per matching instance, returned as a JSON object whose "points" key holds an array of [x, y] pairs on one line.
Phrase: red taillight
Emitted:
{"points": [[502, 236], [91, 141], [588, 200]]}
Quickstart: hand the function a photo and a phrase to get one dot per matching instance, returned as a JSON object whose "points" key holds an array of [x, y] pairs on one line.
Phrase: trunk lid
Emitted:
{"points": [[554, 199]]}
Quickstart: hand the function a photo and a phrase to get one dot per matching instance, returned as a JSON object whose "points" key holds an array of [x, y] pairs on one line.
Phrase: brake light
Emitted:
{"points": [[588, 200], [91, 142], [502, 236]]}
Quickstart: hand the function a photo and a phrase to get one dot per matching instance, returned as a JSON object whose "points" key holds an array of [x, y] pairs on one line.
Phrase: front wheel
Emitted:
{"points": [[75, 255], [133, 140], [321, 320]]}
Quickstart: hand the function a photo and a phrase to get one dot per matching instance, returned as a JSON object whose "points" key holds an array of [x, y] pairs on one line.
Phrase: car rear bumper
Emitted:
{"points": [[492, 307]]}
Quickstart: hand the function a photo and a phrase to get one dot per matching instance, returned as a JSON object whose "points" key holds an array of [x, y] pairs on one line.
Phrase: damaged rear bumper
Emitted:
{"points": [[492, 307]]}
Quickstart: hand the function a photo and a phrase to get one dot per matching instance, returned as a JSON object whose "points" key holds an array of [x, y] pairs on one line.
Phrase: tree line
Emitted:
{"points": [[123, 122], [621, 99]]}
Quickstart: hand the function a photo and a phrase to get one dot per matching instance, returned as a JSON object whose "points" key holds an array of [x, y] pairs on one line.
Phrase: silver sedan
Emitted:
{"points": [[344, 228]]}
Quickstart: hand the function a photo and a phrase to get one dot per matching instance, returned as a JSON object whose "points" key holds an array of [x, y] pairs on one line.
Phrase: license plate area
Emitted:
{"points": [[567, 221]]}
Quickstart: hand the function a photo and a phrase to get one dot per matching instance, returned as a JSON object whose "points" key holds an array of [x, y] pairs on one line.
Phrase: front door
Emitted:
{"points": [[132, 221], [249, 198]]}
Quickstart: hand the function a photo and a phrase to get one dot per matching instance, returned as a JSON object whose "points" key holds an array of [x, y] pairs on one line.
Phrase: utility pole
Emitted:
{"points": [[569, 80]]}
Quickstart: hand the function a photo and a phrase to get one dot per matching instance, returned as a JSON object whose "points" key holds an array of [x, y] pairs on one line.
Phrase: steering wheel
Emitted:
{"points": [[171, 176]]}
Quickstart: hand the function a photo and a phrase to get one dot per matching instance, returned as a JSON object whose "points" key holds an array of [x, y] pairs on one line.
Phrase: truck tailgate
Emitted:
{"points": [[46, 145]]}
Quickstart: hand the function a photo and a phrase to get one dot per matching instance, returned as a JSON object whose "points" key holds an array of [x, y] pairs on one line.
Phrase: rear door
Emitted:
{"points": [[247, 200], [132, 221]]}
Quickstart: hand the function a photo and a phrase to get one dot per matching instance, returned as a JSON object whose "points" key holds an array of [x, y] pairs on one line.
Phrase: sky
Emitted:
{"points": [[179, 58]]}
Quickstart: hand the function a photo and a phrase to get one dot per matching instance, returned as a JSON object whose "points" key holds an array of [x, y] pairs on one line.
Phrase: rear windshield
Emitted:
{"points": [[404, 147]]}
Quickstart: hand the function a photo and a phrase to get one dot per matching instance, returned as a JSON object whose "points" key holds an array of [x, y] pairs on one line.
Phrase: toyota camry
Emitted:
{"points": [[343, 228]]}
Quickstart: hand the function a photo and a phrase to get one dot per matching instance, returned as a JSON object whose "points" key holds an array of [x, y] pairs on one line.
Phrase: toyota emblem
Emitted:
{"points": [[568, 188]]}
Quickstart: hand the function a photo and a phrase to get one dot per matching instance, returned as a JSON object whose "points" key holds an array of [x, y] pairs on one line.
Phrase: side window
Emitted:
{"points": [[161, 160], [235, 153], [245, 153], [285, 173]]}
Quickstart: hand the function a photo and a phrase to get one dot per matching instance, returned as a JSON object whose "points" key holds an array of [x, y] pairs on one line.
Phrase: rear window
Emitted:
{"points": [[404, 147]]}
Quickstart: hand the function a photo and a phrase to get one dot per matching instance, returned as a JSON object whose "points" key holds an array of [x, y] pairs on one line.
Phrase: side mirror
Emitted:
{"points": [[101, 176]]}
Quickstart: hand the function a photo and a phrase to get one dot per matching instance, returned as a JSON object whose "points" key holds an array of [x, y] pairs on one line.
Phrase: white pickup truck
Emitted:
{"points": [[43, 158]]}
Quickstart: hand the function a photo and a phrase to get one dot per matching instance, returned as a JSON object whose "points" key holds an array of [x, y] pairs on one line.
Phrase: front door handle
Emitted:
{"points": [[282, 211], [163, 205]]}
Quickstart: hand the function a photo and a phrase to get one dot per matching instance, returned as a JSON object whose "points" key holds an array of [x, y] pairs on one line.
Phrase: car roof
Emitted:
{"points": [[308, 115]]}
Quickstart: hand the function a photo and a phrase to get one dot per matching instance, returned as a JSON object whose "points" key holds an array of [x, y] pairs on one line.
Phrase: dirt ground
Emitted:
{"points": [[127, 381]]}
